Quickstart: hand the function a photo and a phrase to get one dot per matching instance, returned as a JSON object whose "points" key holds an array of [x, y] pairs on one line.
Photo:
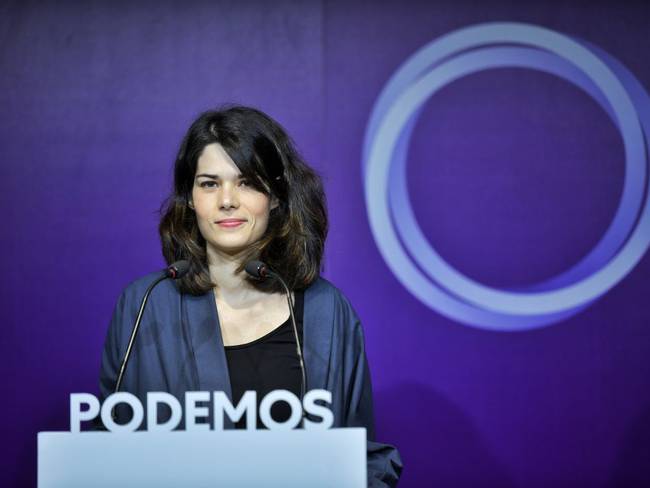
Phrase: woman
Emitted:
{"points": [[242, 193]]}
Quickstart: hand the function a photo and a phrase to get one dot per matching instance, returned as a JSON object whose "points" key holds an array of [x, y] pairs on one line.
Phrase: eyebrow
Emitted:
{"points": [[214, 176]]}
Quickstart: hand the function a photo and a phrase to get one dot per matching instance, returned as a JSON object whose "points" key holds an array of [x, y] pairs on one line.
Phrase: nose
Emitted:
{"points": [[228, 197]]}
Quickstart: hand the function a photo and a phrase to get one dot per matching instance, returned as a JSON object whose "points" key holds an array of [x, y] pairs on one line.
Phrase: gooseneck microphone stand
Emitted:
{"points": [[260, 271], [173, 271]]}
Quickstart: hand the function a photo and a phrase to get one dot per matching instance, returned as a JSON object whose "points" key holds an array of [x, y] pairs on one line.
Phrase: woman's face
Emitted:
{"points": [[230, 213]]}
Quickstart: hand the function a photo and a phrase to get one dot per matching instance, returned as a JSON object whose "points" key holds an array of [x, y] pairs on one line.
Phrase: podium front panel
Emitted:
{"points": [[233, 458]]}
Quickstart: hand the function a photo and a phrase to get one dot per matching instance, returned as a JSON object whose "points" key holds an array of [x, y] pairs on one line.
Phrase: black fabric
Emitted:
{"points": [[266, 364]]}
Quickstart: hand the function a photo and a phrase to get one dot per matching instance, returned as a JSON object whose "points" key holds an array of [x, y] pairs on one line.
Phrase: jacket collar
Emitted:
{"points": [[202, 322], [318, 331]]}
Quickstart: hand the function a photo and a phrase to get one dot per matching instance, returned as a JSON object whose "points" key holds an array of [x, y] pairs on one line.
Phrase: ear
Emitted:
{"points": [[274, 203], [190, 204]]}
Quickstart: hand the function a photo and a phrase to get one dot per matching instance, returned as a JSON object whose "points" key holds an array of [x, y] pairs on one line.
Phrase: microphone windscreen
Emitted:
{"points": [[257, 270], [178, 269]]}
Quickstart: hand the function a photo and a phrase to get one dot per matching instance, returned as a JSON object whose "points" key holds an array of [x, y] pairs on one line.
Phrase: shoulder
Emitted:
{"points": [[324, 290], [139, 286], [164, 302], [164, 296], [324, 299]]}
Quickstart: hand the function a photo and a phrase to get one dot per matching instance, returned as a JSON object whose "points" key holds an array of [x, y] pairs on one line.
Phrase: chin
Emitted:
{"points": [[230, 247]]}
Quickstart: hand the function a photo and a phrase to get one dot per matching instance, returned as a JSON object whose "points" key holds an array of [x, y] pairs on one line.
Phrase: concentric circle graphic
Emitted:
{"points": [[398, 236]]}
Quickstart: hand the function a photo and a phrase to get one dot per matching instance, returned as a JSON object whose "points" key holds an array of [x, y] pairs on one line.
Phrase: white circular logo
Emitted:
{"points": [[400, 240]]}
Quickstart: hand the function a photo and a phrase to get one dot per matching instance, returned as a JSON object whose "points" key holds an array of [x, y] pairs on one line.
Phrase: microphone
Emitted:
{"points": [[260, 271], [257, 269], [174, 271], [177, 270]]}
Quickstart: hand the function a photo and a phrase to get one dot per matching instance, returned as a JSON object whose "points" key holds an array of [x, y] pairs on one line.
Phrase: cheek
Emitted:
{"points": [[262, 211], [202, 221], [258, 205], [202, 206]]}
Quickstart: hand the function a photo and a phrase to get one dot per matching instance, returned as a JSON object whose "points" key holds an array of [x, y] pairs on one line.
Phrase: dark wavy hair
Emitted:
{"points": [[265, 155]]}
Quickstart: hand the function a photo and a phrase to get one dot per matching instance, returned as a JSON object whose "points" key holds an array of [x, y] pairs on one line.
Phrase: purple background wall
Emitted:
{"points": [[514, 176]]}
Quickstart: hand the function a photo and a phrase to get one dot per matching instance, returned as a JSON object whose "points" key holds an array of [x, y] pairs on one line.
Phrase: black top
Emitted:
{"points": [[266, 364]]}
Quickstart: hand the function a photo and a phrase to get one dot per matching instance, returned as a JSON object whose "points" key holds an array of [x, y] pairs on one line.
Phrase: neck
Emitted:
{"points": [[230, 284]]}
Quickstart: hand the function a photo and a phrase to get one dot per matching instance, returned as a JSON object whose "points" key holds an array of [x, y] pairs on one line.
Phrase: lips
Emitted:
{"points": [[230, 222]]}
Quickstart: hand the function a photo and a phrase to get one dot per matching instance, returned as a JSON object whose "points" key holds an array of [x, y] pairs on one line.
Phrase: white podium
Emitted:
{"points": [[232, 458]]}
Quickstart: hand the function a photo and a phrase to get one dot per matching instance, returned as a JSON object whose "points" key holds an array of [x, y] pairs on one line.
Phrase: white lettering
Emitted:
{"points": [[312, 408], [277, 396], [154, 398], [193, 411], [77, 415], [247, 404], [122, 397]]}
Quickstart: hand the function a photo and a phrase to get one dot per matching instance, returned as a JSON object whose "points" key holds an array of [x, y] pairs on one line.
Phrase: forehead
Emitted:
{"points": [[215, 160]]}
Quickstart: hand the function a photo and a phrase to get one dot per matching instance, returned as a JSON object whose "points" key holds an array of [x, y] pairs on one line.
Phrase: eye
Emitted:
{"points": [[244, 182], [208, 184]]}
